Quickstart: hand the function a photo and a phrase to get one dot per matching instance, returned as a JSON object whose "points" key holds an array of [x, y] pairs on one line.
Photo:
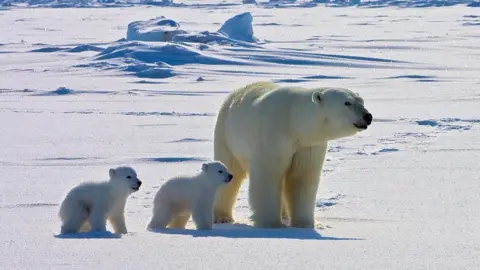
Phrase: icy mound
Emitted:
{"points": [[236, 31], [169, 53], [239, 28], [157, 29]]}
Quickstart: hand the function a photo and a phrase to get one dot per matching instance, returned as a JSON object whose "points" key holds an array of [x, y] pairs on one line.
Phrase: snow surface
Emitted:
{"points": [[77, 98]]}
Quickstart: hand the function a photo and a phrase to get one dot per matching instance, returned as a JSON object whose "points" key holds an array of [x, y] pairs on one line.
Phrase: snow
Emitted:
{"points": [[79, 96]]}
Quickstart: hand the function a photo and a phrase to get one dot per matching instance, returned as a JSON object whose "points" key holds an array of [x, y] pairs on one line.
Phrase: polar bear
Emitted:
{"points": [[183, 196], [278, 136], [88, 205]]}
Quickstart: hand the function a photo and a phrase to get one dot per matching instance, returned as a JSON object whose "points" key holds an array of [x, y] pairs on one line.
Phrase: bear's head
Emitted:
{"points": [[342, 111], [125, 177], [216, 172], [330, 113]]}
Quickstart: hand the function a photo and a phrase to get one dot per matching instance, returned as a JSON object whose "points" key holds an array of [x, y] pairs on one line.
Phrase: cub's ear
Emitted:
{"points": [[204, 167], [112, 173], [317, 97]]}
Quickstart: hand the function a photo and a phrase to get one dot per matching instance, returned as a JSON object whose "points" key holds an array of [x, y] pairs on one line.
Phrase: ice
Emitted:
{"points": [[157, 29], [239, 28]]}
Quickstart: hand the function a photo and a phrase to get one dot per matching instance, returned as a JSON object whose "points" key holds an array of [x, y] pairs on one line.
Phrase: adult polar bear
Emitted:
{"points": [[278, 136]]}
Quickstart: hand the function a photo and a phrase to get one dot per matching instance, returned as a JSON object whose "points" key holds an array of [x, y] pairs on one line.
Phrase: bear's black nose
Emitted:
{"points": [[368, 118], [230, 177], [139, 183]]}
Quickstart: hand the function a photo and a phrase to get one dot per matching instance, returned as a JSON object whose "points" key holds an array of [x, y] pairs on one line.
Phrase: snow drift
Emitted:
{"points": [[169, 53]]}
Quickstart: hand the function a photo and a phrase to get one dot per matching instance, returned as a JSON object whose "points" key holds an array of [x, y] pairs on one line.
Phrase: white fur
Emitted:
{"points": [[89, 205], [185, 196], [278, 136]]}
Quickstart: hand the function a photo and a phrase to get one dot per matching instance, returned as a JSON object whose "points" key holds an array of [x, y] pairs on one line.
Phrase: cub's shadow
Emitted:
{"points": [[238, 230], [89, 235]]}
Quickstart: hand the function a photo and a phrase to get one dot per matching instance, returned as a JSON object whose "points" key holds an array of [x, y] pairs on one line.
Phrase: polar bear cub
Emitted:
{"points": [[89, 205], [185, 196]]}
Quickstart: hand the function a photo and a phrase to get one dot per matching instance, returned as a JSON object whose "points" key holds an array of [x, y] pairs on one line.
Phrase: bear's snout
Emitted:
{"points": [[368, 118], [229, 178], [139, 183]]}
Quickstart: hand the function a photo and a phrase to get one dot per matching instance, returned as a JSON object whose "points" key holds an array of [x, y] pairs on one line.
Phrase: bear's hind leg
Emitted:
{"points": [[226, 195], [98, 218], [301, 185], [73, 217], [285, 206], [162, 214]]}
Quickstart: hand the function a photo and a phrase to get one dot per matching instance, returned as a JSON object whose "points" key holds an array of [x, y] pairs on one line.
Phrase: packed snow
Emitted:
{"points": [[140, 83]]}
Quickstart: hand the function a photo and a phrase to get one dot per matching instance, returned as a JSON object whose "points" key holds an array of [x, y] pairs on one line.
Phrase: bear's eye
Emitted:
{"points": [[220, 171], [347, 103], [129, 177]]}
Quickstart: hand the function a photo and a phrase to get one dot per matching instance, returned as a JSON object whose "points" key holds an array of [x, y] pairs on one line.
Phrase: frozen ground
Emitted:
{"points": [[78, 98]]}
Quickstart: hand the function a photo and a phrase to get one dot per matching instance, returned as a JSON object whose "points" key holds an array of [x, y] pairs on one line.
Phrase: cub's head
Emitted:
{"points": [[125, 177], [330, 113], [216, 172]]}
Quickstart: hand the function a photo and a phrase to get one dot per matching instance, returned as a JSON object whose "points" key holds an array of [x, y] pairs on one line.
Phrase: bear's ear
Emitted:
{"points": [[112, 173], [317, 97], [204, 167]]}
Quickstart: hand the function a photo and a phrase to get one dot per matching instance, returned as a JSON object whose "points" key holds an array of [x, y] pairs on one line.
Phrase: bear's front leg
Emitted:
{"points": [[118, 223], [202, 214], [301, 185], [267, 172]]}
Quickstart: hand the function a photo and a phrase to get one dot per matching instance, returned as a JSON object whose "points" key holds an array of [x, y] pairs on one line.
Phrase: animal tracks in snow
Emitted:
{"points": [[413, 134], [422, 131], [329, 201]]}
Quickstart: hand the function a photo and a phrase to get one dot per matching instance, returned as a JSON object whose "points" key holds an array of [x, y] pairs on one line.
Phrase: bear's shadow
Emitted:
{"points": [[238, 230], [89, 235]]}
